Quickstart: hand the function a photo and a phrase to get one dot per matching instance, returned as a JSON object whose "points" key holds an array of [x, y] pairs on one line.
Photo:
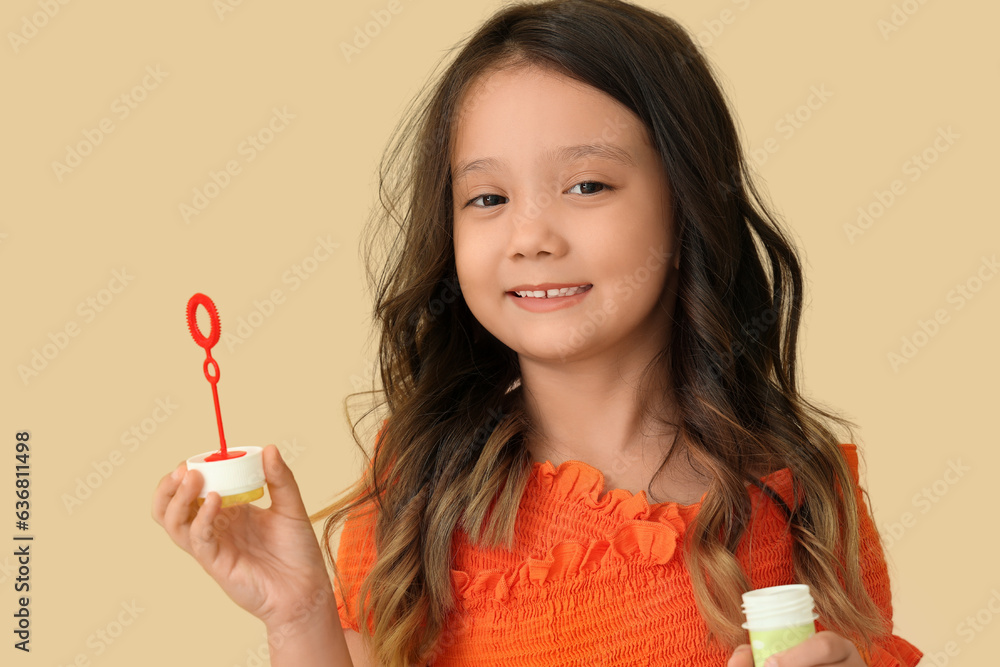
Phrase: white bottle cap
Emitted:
{"points": [[778, 607], [230, 476]]}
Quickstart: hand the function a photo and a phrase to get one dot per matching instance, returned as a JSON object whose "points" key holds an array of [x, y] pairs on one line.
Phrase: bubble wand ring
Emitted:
{"points": [[208, 343]]}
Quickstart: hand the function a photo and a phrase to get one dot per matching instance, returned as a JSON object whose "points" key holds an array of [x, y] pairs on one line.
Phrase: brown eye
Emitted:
{"points": [[484, 197], [590, 187]]}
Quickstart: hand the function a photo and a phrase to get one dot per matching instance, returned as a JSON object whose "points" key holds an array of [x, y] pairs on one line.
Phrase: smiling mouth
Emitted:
{"points": [[552, 293]]}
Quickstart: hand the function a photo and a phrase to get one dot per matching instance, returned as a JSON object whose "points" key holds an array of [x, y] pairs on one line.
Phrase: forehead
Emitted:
{"points": [[532, 109]]}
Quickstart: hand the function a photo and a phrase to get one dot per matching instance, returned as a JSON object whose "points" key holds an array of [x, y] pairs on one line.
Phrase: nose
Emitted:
{"points": [[536, 227]]}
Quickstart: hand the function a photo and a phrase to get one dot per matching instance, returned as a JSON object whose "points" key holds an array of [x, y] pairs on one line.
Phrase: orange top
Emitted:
{"points": [[599, 578]]}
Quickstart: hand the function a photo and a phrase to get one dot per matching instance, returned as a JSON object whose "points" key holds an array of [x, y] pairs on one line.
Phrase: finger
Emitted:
{"points": [[165, 490], [204, 540], [742, 657], [180, 510], [285, 496], [822, 648]]}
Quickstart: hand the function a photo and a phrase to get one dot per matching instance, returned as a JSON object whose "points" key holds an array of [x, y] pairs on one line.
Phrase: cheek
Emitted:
{"points": [[461, 249], [476, 252], [650, 243], [633, 259], [474, 271], [463, 259]]}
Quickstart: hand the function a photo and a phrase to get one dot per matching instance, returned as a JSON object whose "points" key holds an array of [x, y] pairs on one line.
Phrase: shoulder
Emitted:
{"points": [[850, 453], [780, 481]]}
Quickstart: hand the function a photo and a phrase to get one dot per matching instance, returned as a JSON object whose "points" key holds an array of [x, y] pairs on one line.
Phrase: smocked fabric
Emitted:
{"points": [[599, 579]]}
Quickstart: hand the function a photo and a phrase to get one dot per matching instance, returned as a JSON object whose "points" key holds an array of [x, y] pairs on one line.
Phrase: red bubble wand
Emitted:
{"points": [[208, 343]]}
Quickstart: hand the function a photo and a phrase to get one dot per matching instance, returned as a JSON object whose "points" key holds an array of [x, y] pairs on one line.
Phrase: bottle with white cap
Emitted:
{"points": [[238, 478], [778, 618]]}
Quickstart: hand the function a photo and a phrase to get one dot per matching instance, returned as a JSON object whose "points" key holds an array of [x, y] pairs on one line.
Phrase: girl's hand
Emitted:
{"points": [[267, 561], [823, 648]]}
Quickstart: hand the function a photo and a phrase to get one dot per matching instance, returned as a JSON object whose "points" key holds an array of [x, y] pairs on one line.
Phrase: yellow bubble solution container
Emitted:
{"points": [[238, 478], [778, 618]]}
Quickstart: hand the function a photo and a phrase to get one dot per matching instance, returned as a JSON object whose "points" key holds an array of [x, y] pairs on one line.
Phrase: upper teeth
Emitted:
{"points": [[565, 291]]}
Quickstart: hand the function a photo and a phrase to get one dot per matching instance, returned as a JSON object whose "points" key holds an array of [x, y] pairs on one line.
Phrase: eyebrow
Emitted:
{"points": [[565, 153]]}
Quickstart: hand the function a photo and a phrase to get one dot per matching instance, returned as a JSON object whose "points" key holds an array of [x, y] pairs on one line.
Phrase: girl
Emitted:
{"points": [[594, 440]]}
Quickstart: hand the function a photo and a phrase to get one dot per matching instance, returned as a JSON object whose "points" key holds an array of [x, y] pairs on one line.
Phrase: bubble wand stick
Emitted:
{"points": [[237, 473], [208, 343]]}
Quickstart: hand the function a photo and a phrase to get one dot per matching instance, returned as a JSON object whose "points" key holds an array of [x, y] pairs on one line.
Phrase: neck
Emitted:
{"points": [[603, 419]]}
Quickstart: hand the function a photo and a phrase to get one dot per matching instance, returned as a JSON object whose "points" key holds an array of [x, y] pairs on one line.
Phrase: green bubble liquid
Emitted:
{"points": [[766, 643]]}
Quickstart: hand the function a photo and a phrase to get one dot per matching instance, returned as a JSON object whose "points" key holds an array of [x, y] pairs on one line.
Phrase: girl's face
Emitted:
{"points": [[556, 182]]}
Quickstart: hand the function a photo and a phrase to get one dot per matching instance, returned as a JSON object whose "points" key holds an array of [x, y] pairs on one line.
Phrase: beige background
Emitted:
{"points": [[63, 239]]}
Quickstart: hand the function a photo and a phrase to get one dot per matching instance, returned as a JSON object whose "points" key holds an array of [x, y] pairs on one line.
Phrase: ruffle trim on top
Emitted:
{"points": [[646, 533], [577, 481], [639, 541]]}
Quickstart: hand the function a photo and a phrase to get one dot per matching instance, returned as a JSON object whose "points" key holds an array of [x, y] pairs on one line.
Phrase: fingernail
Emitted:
{"points": [[771, 662], [177, 473]]}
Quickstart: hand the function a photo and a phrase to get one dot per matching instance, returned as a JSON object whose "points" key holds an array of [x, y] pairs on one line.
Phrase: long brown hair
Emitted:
{"points": [[453, 441]]}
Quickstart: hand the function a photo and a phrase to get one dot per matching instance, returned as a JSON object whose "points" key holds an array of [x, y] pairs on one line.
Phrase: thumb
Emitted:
{"points": [[742, 657], [285, 496]]}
